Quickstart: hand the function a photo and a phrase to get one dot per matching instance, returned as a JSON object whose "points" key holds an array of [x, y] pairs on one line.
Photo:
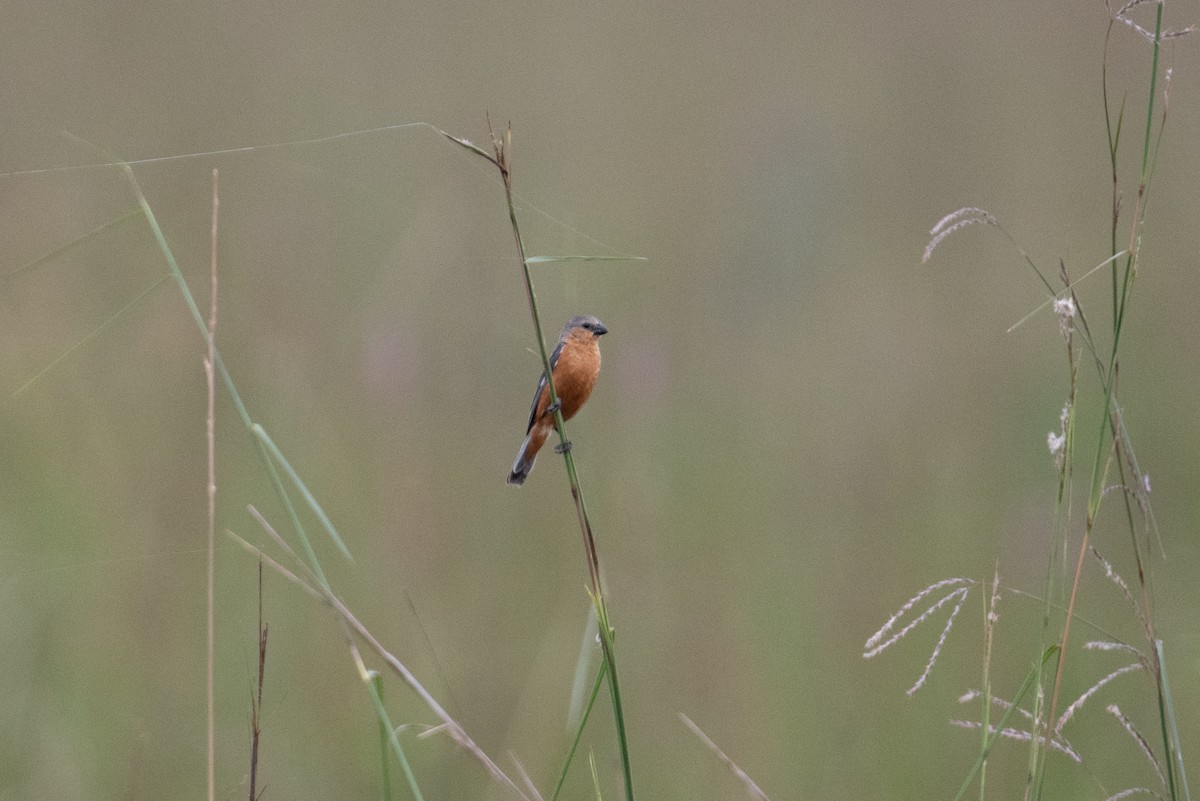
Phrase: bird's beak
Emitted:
{"points": [[601, 329]]}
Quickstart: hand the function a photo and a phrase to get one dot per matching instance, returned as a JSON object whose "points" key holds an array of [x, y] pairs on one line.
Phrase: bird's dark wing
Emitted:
{"points": [[537, 393]]}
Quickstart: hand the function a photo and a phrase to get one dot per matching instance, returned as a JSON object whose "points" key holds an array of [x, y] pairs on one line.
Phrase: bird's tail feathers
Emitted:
{"points": [[522, 466]]}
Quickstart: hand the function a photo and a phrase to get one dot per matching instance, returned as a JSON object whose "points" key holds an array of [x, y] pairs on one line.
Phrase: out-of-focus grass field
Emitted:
{"points": [[797, 426]]}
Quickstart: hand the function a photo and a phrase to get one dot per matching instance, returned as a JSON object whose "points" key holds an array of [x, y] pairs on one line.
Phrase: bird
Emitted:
{"points": [[575, 364]]}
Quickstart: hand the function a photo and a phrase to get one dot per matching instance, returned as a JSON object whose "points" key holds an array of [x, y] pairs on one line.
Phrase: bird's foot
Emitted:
{"points": [[554, 407], [563, 447]]}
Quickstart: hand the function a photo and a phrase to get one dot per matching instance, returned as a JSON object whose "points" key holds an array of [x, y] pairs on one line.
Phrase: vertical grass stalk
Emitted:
{"points": [[501, 158], [1107, 452]]}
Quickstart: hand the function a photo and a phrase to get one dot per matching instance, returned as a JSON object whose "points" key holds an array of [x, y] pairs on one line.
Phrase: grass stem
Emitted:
{"points": [[501, 158]]}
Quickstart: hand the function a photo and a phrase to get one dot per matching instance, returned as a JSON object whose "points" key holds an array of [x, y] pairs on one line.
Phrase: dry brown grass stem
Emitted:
{"points": [[753, 789], [257, 700], [529, 785]]}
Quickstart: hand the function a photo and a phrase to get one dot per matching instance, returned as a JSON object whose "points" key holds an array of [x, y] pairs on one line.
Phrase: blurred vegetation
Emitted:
{"points": [[797, 425]]}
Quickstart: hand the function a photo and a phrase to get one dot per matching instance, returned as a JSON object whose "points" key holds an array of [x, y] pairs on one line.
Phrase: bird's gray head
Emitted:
{"points": [[587, 323]]}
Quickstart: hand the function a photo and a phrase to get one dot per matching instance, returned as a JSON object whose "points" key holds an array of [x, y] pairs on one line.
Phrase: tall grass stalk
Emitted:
{"points": [[501, 158], [1110, 418]]}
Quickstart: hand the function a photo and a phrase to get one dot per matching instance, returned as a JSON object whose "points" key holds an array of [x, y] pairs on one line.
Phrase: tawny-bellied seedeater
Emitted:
{"points": [[574, 364]]}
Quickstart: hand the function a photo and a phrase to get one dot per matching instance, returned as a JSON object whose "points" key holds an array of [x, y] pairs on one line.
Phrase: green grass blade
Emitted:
{"points": [[1170, 729], [309, 498], [263, 442], [606, 640], [1153, 85], [384, 736], [583, 719], [184, 290], [386, 722]]}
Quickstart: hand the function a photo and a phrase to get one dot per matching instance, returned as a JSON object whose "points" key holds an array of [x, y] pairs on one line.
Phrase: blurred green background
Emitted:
{"points": [[797, 426]]}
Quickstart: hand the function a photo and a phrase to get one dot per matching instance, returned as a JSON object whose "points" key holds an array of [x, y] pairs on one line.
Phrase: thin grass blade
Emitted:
{"points": [[309, 498], [74, 243], [564, 259]]}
